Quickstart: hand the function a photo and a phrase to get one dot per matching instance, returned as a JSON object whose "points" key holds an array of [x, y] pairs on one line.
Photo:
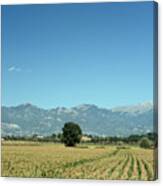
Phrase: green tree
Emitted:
{"points": [[71, 134], [145, 142]]}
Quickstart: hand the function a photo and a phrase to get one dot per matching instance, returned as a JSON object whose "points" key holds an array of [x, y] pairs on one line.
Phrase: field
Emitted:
{"points": [[25, 159]]}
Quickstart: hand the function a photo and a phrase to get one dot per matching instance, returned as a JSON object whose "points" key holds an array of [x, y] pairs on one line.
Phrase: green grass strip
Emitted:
{"points": [[139, 169], [147, 168], [131, 168], [123, 166]]}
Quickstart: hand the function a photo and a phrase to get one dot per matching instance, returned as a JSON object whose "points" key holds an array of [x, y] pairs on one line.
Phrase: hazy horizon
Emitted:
{"points": [[62, 106]]}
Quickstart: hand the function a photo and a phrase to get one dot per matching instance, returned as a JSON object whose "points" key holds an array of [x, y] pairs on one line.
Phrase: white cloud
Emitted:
{"points": [[14, 69]]}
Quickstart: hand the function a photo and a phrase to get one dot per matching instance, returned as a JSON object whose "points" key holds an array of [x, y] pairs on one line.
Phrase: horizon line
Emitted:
{"points": [[78, 105]]}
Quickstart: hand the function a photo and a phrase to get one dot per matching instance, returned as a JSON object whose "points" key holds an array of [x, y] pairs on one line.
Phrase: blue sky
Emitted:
{"points": [[70, 54]]}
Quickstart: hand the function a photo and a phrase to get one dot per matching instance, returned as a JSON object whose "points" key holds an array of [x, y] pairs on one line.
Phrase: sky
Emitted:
{"points": [[72, 54]]}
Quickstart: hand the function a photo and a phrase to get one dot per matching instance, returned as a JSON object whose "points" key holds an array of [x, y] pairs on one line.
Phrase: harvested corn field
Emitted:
{"points": [[81, 162]]}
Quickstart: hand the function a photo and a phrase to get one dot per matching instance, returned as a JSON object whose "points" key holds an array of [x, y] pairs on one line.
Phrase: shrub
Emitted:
{"points": [[145, 143]]}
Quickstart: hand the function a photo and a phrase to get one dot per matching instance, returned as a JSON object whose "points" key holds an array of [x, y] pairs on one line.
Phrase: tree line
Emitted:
{"points": [[72, 134]]}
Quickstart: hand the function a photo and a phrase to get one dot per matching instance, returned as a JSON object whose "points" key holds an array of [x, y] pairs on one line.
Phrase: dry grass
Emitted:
{"points": [[21, 159]]}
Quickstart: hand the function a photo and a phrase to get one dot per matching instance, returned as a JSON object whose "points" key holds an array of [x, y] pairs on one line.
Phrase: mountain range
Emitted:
{"points": [[28, 119]]}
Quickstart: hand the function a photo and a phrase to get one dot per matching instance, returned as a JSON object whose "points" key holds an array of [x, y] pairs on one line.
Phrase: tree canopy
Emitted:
{"points": [[145, 143], [71, 134]]}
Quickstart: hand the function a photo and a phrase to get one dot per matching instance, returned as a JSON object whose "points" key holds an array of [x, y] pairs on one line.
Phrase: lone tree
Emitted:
{"points": [[145, 142], [71, 134]]}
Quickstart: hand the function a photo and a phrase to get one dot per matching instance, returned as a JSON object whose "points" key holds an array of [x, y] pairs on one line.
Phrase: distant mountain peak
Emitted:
{"points": [[140, 107], [126, 120], [85, 106], [27, 104], [146, 103]]}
